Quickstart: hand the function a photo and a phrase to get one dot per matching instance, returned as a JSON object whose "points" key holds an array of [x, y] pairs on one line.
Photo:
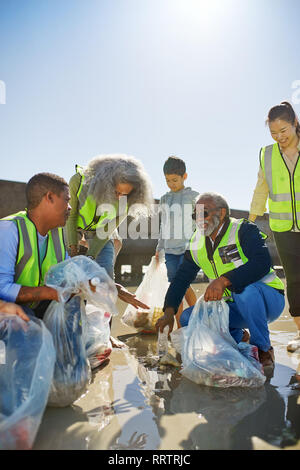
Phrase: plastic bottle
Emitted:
{"points": [[162, 342]]}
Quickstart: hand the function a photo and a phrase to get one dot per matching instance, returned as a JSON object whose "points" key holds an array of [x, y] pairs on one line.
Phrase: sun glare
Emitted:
{"points": [[202, 15]]}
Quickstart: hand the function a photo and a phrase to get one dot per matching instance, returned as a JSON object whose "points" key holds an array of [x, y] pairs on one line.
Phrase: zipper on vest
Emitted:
{"points": [[214, 268], [226, 291], [294, 200], [291, 177]]}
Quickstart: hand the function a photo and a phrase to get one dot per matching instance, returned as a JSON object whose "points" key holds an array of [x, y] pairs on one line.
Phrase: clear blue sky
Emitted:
{"points": [[149, 78]]}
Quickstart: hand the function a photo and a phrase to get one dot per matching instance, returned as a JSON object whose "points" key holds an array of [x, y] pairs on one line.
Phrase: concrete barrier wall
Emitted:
{"points": [[134, 253], [12, 197]]}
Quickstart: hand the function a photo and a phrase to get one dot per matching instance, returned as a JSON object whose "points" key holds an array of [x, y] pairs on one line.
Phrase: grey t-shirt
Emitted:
{"points": [[177, 225]]}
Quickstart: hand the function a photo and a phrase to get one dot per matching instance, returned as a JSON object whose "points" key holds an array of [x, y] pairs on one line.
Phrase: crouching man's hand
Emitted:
{"points": [[166, 319], [216, 288]]}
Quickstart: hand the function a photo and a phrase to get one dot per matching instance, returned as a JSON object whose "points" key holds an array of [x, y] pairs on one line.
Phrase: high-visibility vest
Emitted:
{"points": [[87, 208], [284, 189], [29, 270], [227, 256]]}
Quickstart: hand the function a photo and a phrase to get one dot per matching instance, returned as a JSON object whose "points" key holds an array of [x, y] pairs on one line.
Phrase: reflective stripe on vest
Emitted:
{"points": [[87, 207], [284, 190], [28, 269], [227, 256]]}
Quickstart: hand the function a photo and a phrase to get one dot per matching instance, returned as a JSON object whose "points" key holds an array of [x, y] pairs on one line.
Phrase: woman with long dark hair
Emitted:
{"points": [[279, 182]]}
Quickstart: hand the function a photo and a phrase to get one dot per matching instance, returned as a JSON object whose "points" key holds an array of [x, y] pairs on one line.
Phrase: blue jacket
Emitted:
{"points": [[258, 265]]}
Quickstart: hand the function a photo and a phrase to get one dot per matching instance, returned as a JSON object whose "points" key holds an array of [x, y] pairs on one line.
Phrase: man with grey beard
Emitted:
{"points": [[233, 255]]}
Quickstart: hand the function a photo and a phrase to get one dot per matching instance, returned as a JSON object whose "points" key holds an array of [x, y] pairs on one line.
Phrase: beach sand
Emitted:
{"points": [[131, 406]]}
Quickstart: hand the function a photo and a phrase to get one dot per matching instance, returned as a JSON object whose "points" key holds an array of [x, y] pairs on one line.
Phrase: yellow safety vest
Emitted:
{"points": [[284, 189], [87, 207], [228, 255], [29, 270]]}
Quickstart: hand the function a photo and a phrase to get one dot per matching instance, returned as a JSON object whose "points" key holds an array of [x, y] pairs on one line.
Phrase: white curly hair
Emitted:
{"points": [[104, 172]]}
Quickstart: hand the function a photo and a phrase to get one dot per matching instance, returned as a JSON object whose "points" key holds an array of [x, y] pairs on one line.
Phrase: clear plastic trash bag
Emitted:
{"points": [[96, 334], [177, 338], [151, 291], [26, 369], [210, 355], [72, 372], [67, 319], [84, 276]]}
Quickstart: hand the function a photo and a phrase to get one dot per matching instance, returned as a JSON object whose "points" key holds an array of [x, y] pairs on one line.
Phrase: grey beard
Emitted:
{"points": [[212, 226]]}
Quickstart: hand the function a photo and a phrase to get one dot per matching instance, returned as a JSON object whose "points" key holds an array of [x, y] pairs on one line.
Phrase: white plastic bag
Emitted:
{"points": [[211, 356], [25, 378], [177, 338], [151, 291], [97, 334]]}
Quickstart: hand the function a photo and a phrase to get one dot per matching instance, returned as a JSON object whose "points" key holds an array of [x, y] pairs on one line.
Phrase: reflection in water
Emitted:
{"points": [[228, 418], [293, 408], [135, 442], [138, 428], [101, 416], [269, 423]]}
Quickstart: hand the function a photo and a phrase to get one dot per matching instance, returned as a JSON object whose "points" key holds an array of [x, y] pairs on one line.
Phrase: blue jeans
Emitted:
{"points": [[253, 308], [105, 258], [172, 263]]}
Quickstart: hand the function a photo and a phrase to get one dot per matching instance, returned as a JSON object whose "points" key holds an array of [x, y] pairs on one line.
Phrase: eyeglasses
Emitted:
{"points": [[206, 213]]}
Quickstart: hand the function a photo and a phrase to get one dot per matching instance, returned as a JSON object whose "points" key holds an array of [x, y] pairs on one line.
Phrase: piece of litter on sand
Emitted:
{"points": [[169, 360]]}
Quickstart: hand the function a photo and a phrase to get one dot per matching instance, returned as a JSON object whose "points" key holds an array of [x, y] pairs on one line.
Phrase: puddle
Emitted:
{"points": [[131, 404]]}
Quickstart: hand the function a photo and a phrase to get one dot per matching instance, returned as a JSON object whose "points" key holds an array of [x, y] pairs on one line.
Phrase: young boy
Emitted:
{"points": [[177, 226]]}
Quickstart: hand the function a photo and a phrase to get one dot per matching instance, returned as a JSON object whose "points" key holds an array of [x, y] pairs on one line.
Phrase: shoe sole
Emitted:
{"points": [[269, 371], [293, 349]]}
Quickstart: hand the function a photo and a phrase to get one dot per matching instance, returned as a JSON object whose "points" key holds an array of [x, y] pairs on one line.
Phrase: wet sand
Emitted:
{"points": [[132, 406]]}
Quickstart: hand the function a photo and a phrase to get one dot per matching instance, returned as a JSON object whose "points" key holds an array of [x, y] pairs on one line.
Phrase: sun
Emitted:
{"points": [[201, 15]]}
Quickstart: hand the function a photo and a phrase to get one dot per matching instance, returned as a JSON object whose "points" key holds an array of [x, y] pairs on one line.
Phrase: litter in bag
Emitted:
{"points": [[210, 355], [66, 320], [97, 334], [151, 291], [26, 370], [85, 277], [72, 371]]}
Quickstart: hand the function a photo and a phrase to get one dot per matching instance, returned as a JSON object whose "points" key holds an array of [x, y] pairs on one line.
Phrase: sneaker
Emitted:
{"points": [[246, 337], [295, 343], [267, 360]]}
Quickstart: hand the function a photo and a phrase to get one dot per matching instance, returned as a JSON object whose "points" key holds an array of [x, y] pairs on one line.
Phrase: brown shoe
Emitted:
{"points": [[267, 360], [246, 337]]}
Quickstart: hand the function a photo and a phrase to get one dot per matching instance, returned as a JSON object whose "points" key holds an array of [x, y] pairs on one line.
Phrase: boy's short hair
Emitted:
{"points": [[40, 184], [174, 166]]}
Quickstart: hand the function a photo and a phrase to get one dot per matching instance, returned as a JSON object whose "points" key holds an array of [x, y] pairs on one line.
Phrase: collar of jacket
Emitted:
{"points": [[210, 249]]}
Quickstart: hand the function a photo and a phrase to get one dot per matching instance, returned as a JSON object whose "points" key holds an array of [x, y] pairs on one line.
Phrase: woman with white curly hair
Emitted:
{"points": [[103, 194]]}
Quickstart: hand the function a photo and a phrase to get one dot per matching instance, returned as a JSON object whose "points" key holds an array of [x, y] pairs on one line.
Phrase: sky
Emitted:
{"points": [[148, 78]]}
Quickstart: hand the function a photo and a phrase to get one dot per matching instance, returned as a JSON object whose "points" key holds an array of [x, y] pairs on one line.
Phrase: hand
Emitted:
{"points": [[216, 288], [129, 298], [74, 250], [117, 344], [13, 309], [252, 217], [166, 319], [157, 257]]}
